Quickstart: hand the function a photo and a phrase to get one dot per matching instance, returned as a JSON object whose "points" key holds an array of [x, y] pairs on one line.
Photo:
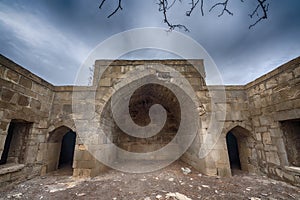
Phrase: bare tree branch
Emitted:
{"points": [[260, 11], [193, 6], [174, 1], [202, 12], [163, 8], [101, 4], [264, 9], [115, 11], [224, 4]]}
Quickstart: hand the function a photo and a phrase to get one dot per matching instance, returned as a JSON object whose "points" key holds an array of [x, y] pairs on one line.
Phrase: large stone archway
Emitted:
{"points": [[151, 87], [139, 105]]}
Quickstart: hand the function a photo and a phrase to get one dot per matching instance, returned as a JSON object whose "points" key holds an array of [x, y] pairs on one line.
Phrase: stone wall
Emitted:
{"points": [[117, 74], [274, 99], [210, 155], [263, 116], [61, 120], [24, 98], [117, 69]]}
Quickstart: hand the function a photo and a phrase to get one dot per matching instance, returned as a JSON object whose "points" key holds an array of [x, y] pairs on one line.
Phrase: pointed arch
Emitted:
{"points": [[60, 148], [240, 143]]}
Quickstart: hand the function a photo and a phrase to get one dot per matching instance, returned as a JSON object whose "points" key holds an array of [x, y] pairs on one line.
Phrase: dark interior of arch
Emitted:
{"points": [[140, 102], [233, 151], [291, 134], [67, 150], [16, 142]]}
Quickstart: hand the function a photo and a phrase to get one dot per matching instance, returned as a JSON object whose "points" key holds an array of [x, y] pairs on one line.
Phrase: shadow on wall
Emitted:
{"points": [[291, 134], [16, 142]]}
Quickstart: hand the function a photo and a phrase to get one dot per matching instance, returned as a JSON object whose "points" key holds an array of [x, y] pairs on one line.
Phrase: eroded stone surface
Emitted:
{"points": [[261, 115]]}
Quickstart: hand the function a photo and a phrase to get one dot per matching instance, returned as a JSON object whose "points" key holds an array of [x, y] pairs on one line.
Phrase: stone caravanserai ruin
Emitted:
{"points": [[261, 131]]}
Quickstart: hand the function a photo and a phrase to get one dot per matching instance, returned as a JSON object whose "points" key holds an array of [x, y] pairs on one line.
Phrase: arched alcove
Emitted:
{"points": [[140, 103], [239, 147], [60, 148], [140, 91]]}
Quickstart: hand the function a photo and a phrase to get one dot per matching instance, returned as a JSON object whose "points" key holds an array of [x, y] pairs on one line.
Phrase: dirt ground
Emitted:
{"points": [[115, 185]]}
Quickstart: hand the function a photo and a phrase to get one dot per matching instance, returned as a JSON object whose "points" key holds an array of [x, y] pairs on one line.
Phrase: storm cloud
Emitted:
{"points": [[52, 38]]}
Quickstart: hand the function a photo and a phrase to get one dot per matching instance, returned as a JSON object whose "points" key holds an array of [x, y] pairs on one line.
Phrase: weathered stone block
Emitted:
{"points": [[13, 76], [287, 105], [296, 103], [280, 145], [25, 82], [258, 136], [40, 89], [2, 71], [83, 155], [275, 133], [105, 82], [288, 177], [284, 77], [264, 120], [36, 104], [271, 83], [255, 122], [202, 96], [31, 154], [224, 172], [272, 157], [14, 99], [42, 150], [82, 173], [11, 168], [23, 100], [261, 129], [18, 175], [4, 178], [67, 108], [3, 126], [297, 72], [279, 172], [80, 147], [7, 94], [266, 138], [270, 148]]}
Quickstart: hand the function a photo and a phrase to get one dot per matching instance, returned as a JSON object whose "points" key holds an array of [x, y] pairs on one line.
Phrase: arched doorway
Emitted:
{"points": [[60, 146], [241, 154]]}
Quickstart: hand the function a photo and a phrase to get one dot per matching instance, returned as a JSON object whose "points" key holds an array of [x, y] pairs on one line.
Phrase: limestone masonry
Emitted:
{"points": [[261, 132]]}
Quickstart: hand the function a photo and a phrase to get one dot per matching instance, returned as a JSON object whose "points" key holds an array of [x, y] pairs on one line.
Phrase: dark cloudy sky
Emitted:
{"points": [[52, 38]]}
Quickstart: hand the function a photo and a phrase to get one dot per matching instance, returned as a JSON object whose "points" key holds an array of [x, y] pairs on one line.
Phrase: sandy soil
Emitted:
{"points": [[115, 185]]}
